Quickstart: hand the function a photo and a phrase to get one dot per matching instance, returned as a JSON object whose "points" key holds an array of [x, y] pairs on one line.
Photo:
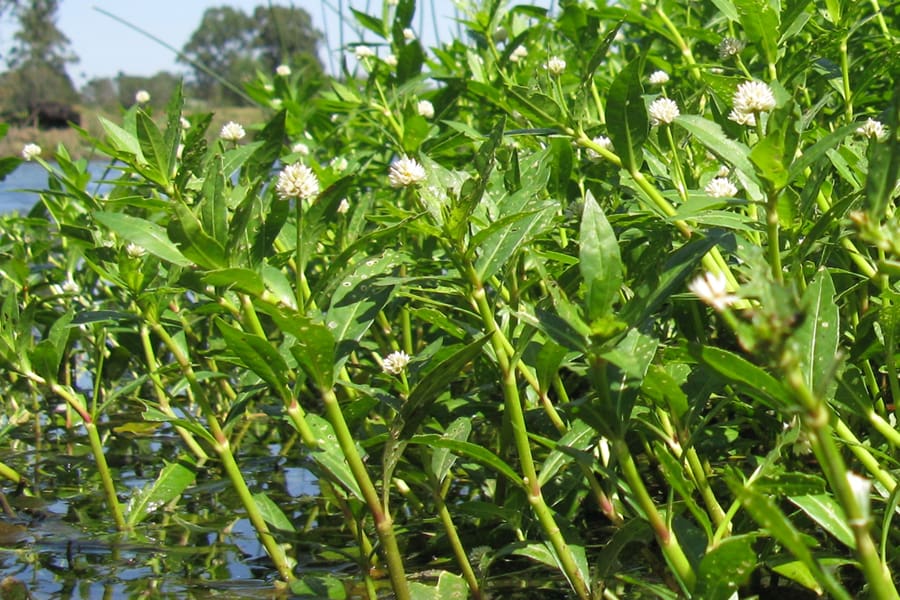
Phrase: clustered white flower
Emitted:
{"points": [[142, 97], [663, 111], [872, 129], [300, 148], [659, 78], [720, 187], [343, 207], [31, 151], [713, 289], [361, 52], [405, 172], [391, 60], [751, 98], [232, 132], [395, 362], [602, 141], [185, 124], [425, 108], [862, 493], [518, 54], [297, 181], [408, 34], [555, 65], [134, 251], [283, 71]]}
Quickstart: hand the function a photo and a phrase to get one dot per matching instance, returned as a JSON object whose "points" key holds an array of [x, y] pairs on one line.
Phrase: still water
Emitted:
{"points": [[17, 190]]}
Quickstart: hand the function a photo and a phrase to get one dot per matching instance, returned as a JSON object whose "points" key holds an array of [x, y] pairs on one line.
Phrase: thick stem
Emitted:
{"points": [[109, 486], [666, 538], [384, 525]]}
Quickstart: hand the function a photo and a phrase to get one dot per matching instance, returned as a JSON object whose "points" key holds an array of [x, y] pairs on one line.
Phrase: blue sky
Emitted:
{"points": [[106, 47]]}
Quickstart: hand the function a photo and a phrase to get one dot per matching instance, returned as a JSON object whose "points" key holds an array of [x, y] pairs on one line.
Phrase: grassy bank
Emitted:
{"points": [[79, 147]]}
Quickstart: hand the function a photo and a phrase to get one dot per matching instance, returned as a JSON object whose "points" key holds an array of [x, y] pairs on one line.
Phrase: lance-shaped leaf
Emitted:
{"points": [[626, 115], [600, 261], [258, 354], [173, 479], [145, 234], [816, 338]]}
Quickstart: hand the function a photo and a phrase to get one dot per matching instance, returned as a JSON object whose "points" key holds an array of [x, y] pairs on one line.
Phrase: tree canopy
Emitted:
{"points": [[232, 45]]}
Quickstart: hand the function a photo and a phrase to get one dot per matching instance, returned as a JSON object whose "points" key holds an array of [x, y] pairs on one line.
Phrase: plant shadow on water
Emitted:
{"points": [[59, 541]]}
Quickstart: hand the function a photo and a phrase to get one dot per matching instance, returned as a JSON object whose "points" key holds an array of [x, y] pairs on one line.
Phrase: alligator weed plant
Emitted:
{"points": [[604, 300]]}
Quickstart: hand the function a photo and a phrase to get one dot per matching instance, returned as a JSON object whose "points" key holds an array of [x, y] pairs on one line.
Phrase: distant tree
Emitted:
{"points": [[160, 87], [38, 58], [231, 45]]}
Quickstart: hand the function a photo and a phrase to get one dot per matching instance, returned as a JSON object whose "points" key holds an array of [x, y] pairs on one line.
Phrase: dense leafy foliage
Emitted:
{"points": [[529, 303]]}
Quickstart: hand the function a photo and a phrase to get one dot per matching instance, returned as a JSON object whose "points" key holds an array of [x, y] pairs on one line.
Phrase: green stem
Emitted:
{"points": [[773, 243], [109, 487], [665, 536], [384, 524], [458, 549], [679, 41], [516, 418], [845, 78], [818, 420], [223, 451], [9, 473]]}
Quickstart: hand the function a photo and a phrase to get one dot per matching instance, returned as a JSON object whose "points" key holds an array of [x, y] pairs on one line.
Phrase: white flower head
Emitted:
{"points": [[518, 54], [300, 148], [720, 187], [395, 362], [361, 52], [283, 71], [344, 207], [297, 181], [723, 171], [134, 251], [555, 65], [602, 141], [31, 151], [663, 111], [408, 34], [753, 97], [179, 151], [872, 129], [391, 60], [339, 164], [185, 124], [405, 172], [748, 119], [862, 491], [142, 97], [232, 132], [659, 78], [713, 289], [425, 108], [393, 2]]}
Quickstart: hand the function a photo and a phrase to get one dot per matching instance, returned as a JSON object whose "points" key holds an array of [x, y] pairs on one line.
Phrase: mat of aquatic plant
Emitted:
{"points": [[600, 302]]}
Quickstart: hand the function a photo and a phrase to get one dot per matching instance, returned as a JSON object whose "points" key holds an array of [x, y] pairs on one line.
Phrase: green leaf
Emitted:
{"points": [[796, 570], [120, 139], [272, 137], [244, 280], [827, 512], [599, 260], [726, 567], [145, 234], [153, 147], [194, 243], [768, 156], [738, 370], [173, 479], [884, 162], [710, 134], [315, 350], [318, 587], [257, 354], [763, 509], [761, 22], [579, 438], [818, 150], [330, 456], [213, 209], [473, 451], [540, 109], [375, 25], [816, 339], [448, 587], [434, 383], [500, 240], [626, 115], [271, 513], [442, 459]]}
